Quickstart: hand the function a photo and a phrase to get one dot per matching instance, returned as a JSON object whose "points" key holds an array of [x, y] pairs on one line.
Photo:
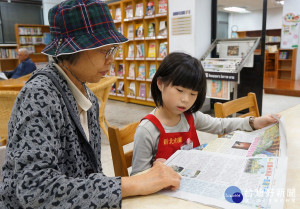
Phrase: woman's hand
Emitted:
{"points": [[266, 120], [162, 160], [155, 179]]}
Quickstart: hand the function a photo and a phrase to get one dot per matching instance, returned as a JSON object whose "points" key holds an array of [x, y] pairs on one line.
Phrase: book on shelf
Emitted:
{"points": [[30, 48], [131, 89], [30, 31], [112, 70], [121, 70], [131, 50], [139, 31], [141, 72], [130, 31], [162, 6], [8, 53], [46, 38], [283, 55], [140, 51], [113, 89], [152, 71], [151, 50], [121, 88], [163, 50], [142, 92], [129, 11], [149, 98], [139, 10], [150, 8], [151, 29], [120, 51], [131, 71], [118, 14], [163, 31], [31, 39], [120, 29]]}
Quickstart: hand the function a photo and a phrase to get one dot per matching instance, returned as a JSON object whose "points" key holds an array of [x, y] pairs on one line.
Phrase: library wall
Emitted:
{"points": [[253, 21], [47, 5]]}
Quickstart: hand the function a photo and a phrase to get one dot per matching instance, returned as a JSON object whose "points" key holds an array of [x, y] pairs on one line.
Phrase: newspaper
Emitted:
{"points": [[233, 179], [267, 142]]}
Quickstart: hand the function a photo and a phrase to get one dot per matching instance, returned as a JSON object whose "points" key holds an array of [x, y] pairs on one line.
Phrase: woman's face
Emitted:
{"points": [[92, 65]]}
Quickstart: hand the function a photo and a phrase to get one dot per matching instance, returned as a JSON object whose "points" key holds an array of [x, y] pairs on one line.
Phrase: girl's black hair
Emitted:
{"points": [[180, 69]]}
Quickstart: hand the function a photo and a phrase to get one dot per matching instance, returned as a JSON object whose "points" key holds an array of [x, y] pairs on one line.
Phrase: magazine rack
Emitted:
{"points": [[234, 55]]}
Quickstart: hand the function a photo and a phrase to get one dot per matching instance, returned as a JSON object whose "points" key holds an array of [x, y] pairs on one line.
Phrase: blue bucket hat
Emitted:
{"points": [[79, 25]]}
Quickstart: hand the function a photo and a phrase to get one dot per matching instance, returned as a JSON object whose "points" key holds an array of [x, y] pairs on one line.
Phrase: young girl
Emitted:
{"points": [[179, 89]]}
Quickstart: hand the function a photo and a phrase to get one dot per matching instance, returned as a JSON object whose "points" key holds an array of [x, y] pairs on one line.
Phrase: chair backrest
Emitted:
{"points": [[7, 100], [222, 110], [101, 90], [118, 138]]}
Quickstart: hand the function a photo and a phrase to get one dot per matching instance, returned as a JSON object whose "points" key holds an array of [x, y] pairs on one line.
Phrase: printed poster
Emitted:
{"points": [[290, 31], [218, 89]]}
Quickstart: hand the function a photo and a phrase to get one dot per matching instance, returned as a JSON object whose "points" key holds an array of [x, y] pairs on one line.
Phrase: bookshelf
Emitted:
{"points": [[273, 37], [286, 64], [34, 38], [8, 57], [144, 23]]}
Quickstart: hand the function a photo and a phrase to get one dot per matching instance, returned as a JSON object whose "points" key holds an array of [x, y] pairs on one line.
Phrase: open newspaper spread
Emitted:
{"points": [[243, 170]]}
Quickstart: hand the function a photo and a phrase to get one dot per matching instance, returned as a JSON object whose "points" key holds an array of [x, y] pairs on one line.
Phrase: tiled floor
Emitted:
{"points": [[120, 114]]}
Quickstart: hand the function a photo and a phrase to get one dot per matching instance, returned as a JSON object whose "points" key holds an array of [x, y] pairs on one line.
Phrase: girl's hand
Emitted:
{"points": [[266, 120]]}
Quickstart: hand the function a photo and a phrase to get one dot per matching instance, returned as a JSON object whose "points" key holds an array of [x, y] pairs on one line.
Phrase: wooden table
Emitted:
{"points": [[13, 84], [292, 128]]}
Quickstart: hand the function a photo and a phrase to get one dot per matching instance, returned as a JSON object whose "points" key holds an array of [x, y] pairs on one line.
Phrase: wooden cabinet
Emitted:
{"points": [[144, 23], [286, 64], [34, 38], [270, 64], [8, 57]]}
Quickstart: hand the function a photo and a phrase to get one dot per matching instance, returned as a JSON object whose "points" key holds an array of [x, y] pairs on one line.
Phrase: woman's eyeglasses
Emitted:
{"points": [[111, 52]]}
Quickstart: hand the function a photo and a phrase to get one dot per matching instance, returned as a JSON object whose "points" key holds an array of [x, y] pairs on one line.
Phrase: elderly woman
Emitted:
{"points": [[53, 150]]}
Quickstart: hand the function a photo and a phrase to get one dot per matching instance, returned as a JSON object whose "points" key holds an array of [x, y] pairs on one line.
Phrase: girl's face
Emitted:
{"points": [[177, 99]]}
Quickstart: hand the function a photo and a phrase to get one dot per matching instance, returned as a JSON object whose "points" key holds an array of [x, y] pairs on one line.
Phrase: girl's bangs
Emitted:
{"points": [[187, 77]]}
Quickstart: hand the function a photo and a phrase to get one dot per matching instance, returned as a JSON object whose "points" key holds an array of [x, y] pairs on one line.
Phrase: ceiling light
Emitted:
{"points": [[280, 2], [237, 9]]}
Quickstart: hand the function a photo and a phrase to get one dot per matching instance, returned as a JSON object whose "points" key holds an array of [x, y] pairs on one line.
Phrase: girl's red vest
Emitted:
{"points": [[169, 143]]}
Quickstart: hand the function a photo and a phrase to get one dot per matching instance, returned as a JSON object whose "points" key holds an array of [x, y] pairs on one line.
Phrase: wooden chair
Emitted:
{"points": [[222, 110], [7, 100], [101, 90], [118, 138]]}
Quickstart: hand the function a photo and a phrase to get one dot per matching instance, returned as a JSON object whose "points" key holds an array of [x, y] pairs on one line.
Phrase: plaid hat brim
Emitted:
{"points": [[84, 42]]}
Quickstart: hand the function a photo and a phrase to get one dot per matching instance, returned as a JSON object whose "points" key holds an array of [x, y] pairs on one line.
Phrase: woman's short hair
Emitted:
{"points": [[180, 69], [71, 58]]}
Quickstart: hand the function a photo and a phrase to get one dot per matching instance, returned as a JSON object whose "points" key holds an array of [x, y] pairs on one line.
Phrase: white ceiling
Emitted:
{"points": [[247, 4]]}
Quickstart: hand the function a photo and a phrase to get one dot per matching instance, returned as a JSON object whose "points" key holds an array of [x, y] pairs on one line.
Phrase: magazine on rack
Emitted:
{"points": [[150, 8], [244, 170], [139, 10], [129, 11], [131, 73]]}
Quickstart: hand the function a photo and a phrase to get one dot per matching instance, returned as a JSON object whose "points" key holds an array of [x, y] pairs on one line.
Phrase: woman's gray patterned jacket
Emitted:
{"points": [[49, 162]]}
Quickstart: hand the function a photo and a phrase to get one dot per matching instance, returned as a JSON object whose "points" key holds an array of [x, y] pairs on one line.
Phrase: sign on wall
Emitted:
{"points": [[290, 31]]}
